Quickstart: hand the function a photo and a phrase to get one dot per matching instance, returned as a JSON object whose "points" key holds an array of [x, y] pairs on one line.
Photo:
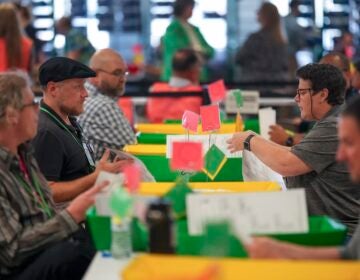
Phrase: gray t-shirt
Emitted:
{"points": [[352, 250], [328, 188]]}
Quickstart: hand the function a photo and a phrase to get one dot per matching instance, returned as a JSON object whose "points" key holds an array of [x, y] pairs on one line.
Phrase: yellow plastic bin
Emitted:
{"points": [[160, 188], [178, 129], [154, 157], [161, 267]]}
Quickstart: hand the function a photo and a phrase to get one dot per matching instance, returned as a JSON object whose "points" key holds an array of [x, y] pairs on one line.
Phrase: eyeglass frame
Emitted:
{"points": [[34, 103], [299, 90], [119, 75]]}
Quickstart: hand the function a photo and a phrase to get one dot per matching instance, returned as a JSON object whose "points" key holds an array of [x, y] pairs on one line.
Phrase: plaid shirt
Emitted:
{"points": [[104, 124], [25, 229]]}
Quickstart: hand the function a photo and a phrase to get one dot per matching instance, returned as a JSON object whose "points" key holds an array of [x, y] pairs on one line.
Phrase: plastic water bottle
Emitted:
{"points": [[121, 238]]}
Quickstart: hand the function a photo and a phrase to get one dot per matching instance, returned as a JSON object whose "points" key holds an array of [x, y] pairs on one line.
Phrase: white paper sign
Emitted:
{"points": [[102, 198], [250, 102], [267, 117], [257, 213], [218, 139], [254, 170]]}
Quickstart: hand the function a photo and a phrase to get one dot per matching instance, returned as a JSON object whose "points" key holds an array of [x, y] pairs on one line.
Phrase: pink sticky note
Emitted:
{"points": [[210, 117], [187, 156], [132, 174], [217, 91], [190, 120]]}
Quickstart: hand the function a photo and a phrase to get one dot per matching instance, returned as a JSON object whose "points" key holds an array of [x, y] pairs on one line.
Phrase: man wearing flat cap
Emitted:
{"points": [[62, 151]]}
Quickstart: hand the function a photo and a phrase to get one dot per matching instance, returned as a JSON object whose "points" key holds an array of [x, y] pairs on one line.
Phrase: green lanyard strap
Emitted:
{"points": [[41, 202], [61, 124], [90, 160]]}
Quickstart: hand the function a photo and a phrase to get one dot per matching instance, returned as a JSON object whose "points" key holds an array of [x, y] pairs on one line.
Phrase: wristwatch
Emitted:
{"points": [[247, 142], [290, 141]]}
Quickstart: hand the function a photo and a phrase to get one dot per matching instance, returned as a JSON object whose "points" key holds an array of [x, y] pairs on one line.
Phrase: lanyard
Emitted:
{"points": [[37, 194], [83, 146], [61, 124]]}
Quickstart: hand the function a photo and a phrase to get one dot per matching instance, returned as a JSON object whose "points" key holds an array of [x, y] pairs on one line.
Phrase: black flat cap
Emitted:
{"points": [[58, 69]]}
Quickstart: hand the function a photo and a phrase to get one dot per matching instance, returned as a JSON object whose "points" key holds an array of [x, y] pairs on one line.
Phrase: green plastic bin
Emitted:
{"points": [[323, 231], [160, 138], [159, 167], [100, 229]]}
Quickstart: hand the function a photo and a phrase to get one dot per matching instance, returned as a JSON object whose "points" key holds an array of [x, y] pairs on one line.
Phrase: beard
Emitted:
{"points": [[112, 91], [72, 111]]}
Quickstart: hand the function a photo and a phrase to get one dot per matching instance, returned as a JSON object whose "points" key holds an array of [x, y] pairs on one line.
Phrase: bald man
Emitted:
{"points": [[280, 136], [103, 122]]}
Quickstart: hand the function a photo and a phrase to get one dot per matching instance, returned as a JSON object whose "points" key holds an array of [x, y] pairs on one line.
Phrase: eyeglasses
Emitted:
{"points": [[34, 103], [116, 73], [302, 91]]}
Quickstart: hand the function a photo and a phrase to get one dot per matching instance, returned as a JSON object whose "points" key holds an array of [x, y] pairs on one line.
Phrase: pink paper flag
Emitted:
{"points": [[210, 117], [190, 120], [132, 174], [217, 91], [187, 156]]}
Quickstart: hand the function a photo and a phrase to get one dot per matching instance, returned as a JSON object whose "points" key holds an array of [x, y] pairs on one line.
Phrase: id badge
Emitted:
{"points": [[88, 154]]}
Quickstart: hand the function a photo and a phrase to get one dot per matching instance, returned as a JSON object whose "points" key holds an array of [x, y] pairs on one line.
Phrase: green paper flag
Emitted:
{"points": [[238, 98], [217, 239], [214, 161], [177, 196], [121, 202]]}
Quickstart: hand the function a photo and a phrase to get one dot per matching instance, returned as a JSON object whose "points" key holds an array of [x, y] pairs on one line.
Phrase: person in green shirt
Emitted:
{"points": [[77, 45], [181, 34]]}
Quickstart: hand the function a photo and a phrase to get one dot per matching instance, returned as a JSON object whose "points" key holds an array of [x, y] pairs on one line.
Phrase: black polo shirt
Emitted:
{"points": [[59, 148]]}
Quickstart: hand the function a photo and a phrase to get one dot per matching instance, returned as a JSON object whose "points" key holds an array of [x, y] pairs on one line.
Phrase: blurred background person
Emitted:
{"points": [[15, 48], [355, 80], [295, 35], [77, 46], [29, 30], [345, 44], [186, 68], [263, 57], [181, 34]]}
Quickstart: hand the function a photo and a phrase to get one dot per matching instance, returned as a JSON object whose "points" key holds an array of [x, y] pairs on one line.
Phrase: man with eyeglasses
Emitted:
{"points": [[64, 154], [37, 241], [103, 122], [349, 152], [312, 164], [279, 135]]}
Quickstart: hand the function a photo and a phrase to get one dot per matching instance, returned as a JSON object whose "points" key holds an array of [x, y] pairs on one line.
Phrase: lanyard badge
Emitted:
{"points": [[88, 153]]}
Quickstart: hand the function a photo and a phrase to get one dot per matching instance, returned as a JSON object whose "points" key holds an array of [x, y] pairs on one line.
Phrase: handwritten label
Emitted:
{"points": [[250, 102], [256, 213]]}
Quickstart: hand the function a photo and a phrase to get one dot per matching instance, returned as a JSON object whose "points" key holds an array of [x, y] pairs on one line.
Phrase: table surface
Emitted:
{"points": [[106, 268]]}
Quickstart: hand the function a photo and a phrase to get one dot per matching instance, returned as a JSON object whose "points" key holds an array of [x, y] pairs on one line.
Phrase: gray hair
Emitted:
{"points": [[11, 87]]}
